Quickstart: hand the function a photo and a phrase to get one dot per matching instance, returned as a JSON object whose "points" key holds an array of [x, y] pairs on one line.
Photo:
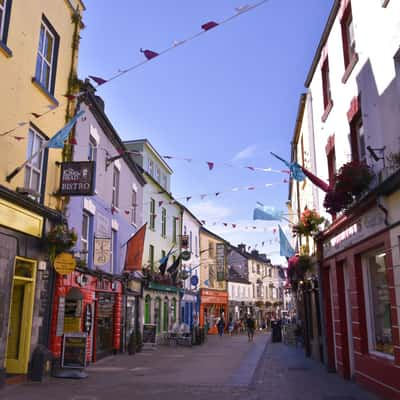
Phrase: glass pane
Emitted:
{"points": [[27, 176], [30, 143], [45, 81], [48, 47], [380, 299], [41, 39], [1, 22], [35, 181], [85, 227], [23, 269], [38, 72]]}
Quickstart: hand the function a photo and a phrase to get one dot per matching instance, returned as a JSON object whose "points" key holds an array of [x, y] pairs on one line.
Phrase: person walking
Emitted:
{"points": [[230, 326], [221, 326], [250, 324]]}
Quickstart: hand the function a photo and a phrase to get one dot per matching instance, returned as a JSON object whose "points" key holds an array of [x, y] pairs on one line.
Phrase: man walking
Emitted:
{"points": [[250, 327]]}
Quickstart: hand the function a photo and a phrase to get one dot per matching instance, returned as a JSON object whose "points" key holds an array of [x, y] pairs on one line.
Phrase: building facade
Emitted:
{"points": [[354, 88], [38, 56]]}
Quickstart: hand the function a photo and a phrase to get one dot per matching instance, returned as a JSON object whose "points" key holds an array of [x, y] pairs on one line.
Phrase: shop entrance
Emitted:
{"points": [[104, 324], [20, 321]]}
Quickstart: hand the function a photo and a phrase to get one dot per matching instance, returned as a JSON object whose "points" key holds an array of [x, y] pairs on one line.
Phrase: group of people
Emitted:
{"points": [[235, 327]]}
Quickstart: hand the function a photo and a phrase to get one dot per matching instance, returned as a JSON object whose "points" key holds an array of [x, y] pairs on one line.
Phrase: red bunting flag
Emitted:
{"points": [[98, 80], [127, 212], [113, 210], [18, 138], [251, 168], [209, 25], [168, 157], [210, 165], [203, 222], [72, 140], [36, 115], [218, 193], [251, 188], [149, 54], [70, 96], [274, 231], [254, 227], [225, 224], [233, 226], [285, 171], [188, 198], [285, 181]]}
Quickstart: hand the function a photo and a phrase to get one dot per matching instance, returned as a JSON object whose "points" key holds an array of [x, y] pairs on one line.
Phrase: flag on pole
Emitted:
{"points": [[57, 141], [164, 261], [267, 213], [173, 268], [134, 250], [295, 170], [286, 250]]}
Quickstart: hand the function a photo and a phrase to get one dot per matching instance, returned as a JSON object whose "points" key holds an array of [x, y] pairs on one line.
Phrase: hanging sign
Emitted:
{"points": [[194, 280], [65, 263], [185, 241], [74, 351], [77, 178], [102, 251], [185, 255]]}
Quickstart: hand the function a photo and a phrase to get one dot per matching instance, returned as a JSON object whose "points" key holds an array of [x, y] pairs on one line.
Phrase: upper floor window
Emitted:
{"points": [[152, 214], [46, 61], [210, 249], [150, 168], [349, 43], [151, 256], [191, 241], [34, 167], [174, 229], [196, 245], [164, 183], [164, 222], [115, 187], [357, 139], [326, 85], [331, 157], [92, 152], [258, 269], [133, 207], [158, 175], [5, 11], [85, 237]]}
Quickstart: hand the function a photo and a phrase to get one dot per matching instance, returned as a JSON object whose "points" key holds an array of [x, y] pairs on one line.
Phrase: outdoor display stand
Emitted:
{"points": [[73, 358], [149, 336]]}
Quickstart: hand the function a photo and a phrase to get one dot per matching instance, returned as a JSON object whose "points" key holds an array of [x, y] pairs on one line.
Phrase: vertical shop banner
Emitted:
{"points": [[220, 256], [102, 251], [134, 250]]}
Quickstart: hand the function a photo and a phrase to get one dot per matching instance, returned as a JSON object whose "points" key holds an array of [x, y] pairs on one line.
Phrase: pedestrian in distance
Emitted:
{"points": [[230, 327], [250, 327], [221, 326]]}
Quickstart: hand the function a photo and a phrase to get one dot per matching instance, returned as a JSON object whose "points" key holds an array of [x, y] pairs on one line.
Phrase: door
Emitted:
{"points": [[20, 320], [349, 317], [104, 324]]}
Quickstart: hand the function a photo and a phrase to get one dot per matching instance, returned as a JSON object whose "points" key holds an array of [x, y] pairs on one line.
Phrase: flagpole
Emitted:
{"points": [[16, 171]]}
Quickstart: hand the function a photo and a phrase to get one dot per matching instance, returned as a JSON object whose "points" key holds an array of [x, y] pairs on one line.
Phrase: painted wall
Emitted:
{"points": [[20, 96]]}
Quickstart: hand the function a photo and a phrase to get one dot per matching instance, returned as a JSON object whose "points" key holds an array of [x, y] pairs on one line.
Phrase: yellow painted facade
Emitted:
{"points": [[20, 96], [208, 262]]}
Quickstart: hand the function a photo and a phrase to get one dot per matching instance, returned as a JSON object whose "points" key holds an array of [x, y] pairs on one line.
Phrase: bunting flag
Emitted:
{"points": [[134, 250], [188, 198], [316, 181], [210, 165], [36, 115], [286, 250], [266, 213], [149, 54], [295, 170]]}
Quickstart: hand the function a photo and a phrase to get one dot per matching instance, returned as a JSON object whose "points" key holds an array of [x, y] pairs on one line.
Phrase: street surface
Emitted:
{"points": [[223, 368]]}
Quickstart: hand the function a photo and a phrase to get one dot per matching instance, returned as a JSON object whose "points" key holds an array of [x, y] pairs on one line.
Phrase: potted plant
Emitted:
{"points": [[335, 202], [59, 239], [309, 223], [353, 177]]}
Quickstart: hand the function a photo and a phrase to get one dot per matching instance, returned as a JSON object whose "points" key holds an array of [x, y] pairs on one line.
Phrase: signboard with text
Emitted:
{"points": [[149, 334], [77, 178], [74, 351], [102, 251]]}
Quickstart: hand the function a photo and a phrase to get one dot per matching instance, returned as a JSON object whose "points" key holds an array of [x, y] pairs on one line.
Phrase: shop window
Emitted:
{"points": [[73, 311], [157, 313], [147, 310], [377, 301]]}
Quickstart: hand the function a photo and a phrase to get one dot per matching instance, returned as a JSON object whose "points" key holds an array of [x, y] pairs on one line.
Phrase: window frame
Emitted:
{"points": [[85, 238], [326, 88], [92, 150], [133, 207], [115, 187], [357, 141], [152, 220], [151, 256], [164, 222], [4, 26], [350, 55], [31, 149], [174, 229], [48, 28]]}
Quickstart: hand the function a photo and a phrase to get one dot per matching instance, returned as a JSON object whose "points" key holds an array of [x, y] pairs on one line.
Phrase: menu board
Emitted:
{"points": [[149, 333], [60, 316], [74, 351]]}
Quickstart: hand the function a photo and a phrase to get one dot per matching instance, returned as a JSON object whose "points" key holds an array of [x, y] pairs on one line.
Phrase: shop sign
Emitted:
{"points": [[149, 334], [65, 263], [74, 351], [102, 251], [77, 178], [185, 255], [88, 318], [135, 286]]}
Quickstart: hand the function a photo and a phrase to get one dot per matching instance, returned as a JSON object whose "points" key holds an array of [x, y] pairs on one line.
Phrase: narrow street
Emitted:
{"points": [[224, 368]]}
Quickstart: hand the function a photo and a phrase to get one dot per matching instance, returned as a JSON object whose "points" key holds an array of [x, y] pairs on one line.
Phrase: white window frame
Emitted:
{"points": [[115, 187], [152, 220], [150, 167], [369, 307], [34, 137], [191, 241], [92, 152], [133, 207], [3, 9], [43, 60], [85, 237], [196, 246], [164, 222]]}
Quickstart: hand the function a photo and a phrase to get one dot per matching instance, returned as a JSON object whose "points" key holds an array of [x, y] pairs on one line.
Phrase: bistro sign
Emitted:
{"points": [[77, 178]]}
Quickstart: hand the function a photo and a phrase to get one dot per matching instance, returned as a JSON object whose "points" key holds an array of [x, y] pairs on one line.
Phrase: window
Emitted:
{"points": [[165, 181], [147, 310], [46, 61], [92, 152], [357, 139], [152, 214], [34, 168], [326, 88], [5, 11], [114, 254], [349, 43], [185, 230], [377, 299], [166, 314], [210, 249], [150, 168], [196, 245], [158, 175], [164, 222], [174, 222], [85, 237], [331, 157], [115, 188], [191, 241], [254, 290], [151, 257], [133, 207], [258, 269]]}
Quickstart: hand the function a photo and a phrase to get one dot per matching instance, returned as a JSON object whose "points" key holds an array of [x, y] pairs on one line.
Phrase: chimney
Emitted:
{"points": [[242, 248], [254, 253]]}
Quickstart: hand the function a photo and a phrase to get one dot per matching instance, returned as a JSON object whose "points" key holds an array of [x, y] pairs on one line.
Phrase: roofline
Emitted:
{"points": [[238, 250], [98, 113], [205, 230], [322, 42], [147, 142], [184, 208]]}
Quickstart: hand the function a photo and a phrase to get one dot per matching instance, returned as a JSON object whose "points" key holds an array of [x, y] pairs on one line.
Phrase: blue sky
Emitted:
{"points": [[230, 96]]}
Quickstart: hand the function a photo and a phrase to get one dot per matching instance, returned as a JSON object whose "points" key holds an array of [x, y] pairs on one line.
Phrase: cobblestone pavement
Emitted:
{"points": [[223, 368]]}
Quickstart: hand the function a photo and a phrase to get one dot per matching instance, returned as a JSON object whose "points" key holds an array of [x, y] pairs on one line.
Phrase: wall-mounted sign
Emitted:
{"points": [[60, 316], [194, 280], [185, 255], [74, 351], [88, 318], [65, 263], [102, 251], [77, 178]]}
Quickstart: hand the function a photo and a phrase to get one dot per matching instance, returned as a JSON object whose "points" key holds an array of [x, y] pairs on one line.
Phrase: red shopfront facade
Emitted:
{"points": [[91, 304], [360, 304], [213, 305]]}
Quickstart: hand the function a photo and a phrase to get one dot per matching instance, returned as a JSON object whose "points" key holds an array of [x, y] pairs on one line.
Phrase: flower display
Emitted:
{"points": [[59, 239], [309, 223], [353, 177], [335, 202], [298, 266]]}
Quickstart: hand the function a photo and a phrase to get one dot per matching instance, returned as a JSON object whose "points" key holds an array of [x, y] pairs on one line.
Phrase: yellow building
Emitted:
{"points": [[39, 42], [213, 280]]}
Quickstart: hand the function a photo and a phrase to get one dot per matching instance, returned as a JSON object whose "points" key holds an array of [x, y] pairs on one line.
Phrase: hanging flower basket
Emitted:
{"points": [[298, 266], [60, 239], [335, 202], [309, 223], [353, 177]]}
